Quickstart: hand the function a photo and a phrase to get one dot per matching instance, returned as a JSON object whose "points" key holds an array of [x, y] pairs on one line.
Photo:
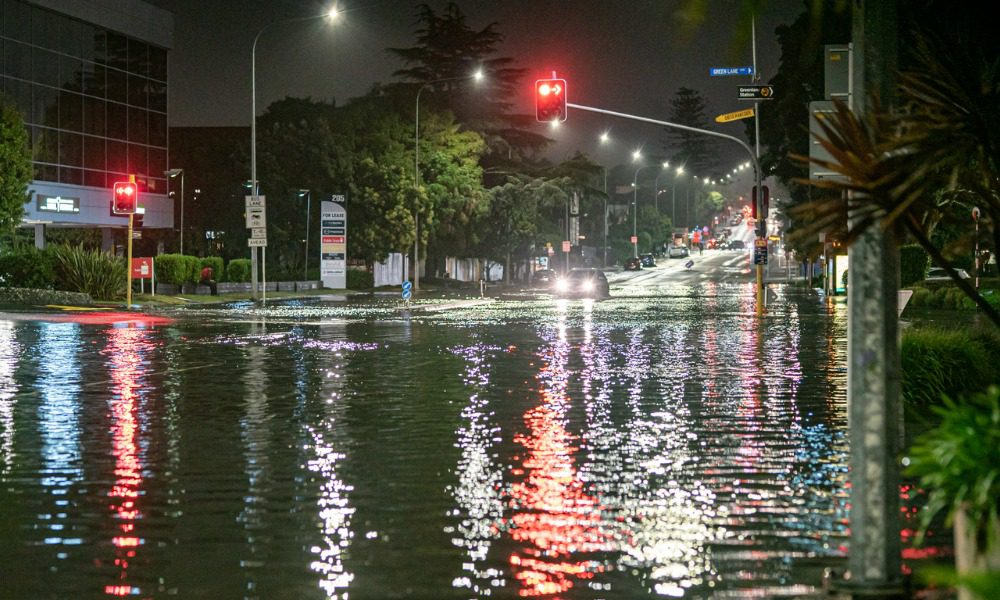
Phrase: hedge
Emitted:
{"points": [[952, 362], [27, 267], [177, 269], [238, 270]]}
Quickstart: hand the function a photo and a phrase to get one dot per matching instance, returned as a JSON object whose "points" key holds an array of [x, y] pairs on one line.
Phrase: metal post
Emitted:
{"points": [[305, 266], [605, 216], [873, 369], [975, 257]]}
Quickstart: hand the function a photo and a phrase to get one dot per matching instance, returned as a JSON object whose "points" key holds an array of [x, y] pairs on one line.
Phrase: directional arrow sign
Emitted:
{"points": [[756, 92], [733, 116]]}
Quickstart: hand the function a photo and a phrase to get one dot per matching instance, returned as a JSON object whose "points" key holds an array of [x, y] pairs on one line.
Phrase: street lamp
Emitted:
{"points": [[254, 188], [305, 267], [171, 173], [478, 76]]}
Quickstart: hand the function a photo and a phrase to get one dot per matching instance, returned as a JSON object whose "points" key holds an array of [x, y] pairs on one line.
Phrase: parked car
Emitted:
{"points": [[583, 282], [647, 260], [678, 252], [737, 245], [543, 277], [939, 274], [633, 264]]}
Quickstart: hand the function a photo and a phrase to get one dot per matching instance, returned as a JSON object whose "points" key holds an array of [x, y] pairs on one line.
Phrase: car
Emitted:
{"points": [[647, 260], [737, 245], [678, 252], [633, 264], [583, 282], [543, 277], [939, 274]]}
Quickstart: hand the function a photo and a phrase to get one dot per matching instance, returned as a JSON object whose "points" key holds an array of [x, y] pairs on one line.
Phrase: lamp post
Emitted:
{"points": [[635, 210], [656, 186], [605, 263], [673, 197], [478, 75], [305, 261], [254, 188], [171, 173]]}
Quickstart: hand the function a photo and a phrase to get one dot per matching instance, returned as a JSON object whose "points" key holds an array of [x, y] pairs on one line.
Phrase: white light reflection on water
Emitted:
{"points": [[10, 351], [479, 492], [326, 441], [59, 424]]}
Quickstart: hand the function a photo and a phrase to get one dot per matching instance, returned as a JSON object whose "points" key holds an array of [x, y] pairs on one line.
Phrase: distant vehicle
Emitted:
{"points": [[678, 252], [633, 264], [939, 274], [543, 277], [712, 244], [647, 260], [583, 283], [737, 245]]}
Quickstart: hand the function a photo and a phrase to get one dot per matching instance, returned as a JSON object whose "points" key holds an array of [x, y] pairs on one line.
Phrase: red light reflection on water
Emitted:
{"points": [[126, 351], [554, 517]]}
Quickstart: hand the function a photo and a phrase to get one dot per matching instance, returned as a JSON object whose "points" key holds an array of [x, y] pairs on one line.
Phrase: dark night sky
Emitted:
{"points": [[626, 56]]}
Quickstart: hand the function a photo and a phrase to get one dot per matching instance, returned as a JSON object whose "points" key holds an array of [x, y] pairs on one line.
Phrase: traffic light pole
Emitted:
{"points": [[761, 231]]}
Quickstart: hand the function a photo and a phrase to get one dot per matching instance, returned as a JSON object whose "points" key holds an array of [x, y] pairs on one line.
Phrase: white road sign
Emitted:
{"points": [[255, 201], [256, 217], [258, 242]]}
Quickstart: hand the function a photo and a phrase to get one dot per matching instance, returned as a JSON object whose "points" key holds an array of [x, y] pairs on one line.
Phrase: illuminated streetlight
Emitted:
{"points": [[333, 13]]}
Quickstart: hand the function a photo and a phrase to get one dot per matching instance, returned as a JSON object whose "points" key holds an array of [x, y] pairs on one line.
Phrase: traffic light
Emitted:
{"points": [[125, 195], [764, 201], [550, 100], [753, 204]]}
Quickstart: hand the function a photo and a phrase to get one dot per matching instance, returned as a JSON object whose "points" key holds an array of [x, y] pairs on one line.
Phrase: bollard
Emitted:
{"points": [[482, 288]]}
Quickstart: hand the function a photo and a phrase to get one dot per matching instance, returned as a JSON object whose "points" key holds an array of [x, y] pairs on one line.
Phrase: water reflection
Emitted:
{"points": [[127, 355], [326, 440], [557, 522], [59, 426], [10, 351]]}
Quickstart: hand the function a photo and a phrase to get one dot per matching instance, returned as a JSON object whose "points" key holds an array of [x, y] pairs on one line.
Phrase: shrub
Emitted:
{"points": [[27, 267], [102, 275], [913, 264], [217, 264], [938, 362], [238, 270], [959, 461], [170, 269], [360, 280]]}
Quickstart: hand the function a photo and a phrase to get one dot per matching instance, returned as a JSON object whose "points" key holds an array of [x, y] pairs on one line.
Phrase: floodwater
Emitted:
{"points": [[666, 444]]}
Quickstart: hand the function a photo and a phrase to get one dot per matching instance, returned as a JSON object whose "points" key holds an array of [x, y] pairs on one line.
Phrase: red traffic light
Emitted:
{"points": [[550, 100], [125, 197]]}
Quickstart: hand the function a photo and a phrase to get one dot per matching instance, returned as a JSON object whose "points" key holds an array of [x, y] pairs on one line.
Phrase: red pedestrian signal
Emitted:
{"points": [[550, 100], [125, 195]]}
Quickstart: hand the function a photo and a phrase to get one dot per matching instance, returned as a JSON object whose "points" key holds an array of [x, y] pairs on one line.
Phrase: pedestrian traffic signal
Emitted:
{"points": [[550, 100], [125, 195], [753, 204]]}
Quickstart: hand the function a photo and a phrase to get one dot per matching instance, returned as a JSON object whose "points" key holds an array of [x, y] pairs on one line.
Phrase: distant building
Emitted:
{"points": [[90, 79]]}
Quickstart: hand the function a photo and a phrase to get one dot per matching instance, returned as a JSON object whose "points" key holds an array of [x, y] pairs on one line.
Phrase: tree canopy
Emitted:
{"points": [[15, 156]]}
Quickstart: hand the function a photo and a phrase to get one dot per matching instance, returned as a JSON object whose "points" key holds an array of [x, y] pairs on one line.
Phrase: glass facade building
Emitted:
{"points": [[90, 79]]}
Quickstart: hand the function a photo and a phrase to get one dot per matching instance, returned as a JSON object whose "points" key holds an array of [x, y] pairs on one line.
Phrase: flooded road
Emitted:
{"points": [[663, 443]]}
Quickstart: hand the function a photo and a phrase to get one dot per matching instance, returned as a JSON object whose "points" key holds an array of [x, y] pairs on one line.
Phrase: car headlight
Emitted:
{"points": [[587, 286], [562, 285]]}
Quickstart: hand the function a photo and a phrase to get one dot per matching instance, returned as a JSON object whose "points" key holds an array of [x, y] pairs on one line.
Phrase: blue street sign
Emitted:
{"points": [[731, 71], [407, 290], [689, 264]]}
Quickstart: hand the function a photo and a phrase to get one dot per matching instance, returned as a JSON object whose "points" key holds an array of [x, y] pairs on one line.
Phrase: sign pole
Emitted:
{"points": [[128, 290]]}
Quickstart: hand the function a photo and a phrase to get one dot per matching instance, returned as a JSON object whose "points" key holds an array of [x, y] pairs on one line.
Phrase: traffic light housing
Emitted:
{"points": [[550, 100], [765, 201], [753, 204], [125, 198]]}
